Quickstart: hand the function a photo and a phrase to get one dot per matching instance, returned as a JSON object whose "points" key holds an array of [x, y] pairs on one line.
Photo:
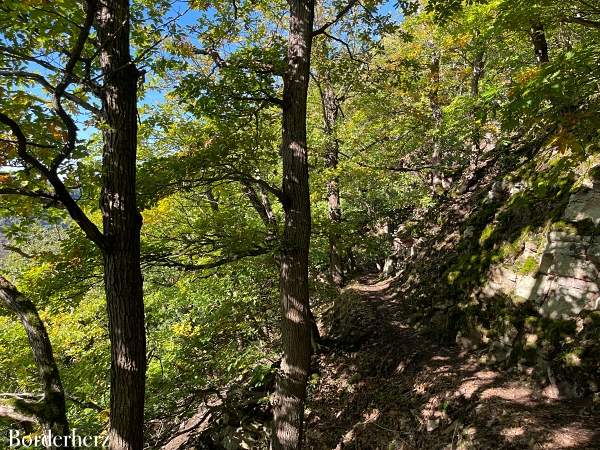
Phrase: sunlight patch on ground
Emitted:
{"points": [[512, 392], [569, 437], [513, 432]]}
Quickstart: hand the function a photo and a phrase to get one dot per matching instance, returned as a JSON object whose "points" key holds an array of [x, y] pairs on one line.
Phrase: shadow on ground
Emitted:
{"points": [[400, 389]]}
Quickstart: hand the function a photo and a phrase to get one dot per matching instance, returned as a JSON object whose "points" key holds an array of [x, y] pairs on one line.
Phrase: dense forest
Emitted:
{"points": [[346, 224]]}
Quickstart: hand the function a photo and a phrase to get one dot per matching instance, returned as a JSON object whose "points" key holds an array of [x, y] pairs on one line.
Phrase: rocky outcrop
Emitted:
{"points": [[585, 204], [511, 268], [560, 278]]}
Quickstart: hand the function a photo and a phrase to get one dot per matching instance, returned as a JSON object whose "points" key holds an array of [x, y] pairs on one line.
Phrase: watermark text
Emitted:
{"points": [[49, 440]]}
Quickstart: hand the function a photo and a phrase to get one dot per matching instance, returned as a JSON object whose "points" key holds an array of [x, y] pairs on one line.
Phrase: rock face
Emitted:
{"points": [[585, 205], [566, 279]]}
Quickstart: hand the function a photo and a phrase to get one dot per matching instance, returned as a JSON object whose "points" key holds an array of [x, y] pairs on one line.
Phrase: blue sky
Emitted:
{"points": [[191, 17]]}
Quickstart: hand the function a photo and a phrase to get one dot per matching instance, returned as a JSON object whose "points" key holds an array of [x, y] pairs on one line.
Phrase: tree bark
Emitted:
{"points": [[331, 108], [540, 44], [478, 67], [51, 412], [290, 393], [122, 223], [478, 70], [436, 114], [262, 205]]}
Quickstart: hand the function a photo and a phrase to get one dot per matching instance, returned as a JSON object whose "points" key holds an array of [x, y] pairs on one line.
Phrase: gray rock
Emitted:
{"points": [[568, 297], [584, 204], [572, 267], [593, 253], [527, 287]]}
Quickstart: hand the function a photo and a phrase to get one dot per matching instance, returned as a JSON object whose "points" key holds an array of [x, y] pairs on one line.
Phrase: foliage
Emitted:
{"points": [[209, 147]]}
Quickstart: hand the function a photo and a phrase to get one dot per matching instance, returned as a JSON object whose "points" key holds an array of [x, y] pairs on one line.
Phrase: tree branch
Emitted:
{"points": [[31, 144], [61, 87], [15, 249], [260, 203], [51, 89], [85, 403], [10, 412], [255, 66], [37, 335], [189, 267], [267, 98], [346, 46], [28, 193], [61, 192], [409, 169], [273, 190], [25, 57], [582, 21], [322, 29]]}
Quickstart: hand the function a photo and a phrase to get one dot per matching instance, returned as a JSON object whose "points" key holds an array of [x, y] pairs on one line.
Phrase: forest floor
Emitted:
{"points": [[400, 389]]}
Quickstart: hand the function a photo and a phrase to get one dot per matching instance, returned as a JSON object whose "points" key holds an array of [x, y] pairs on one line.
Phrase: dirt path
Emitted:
{"points": [[400, 390]]}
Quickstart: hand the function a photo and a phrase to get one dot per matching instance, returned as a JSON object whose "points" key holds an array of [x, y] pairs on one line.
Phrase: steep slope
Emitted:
{"points": [[508, 263]]}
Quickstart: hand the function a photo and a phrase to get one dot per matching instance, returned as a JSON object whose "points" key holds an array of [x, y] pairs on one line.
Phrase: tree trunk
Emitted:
{"points": [[436, 114], [122, 223], [331, 110], [52, 413], [540, 44], [290, 394], [478, 70], [262, 205]]}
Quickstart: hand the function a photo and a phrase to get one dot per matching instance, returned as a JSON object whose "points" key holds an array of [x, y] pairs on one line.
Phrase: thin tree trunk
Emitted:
{"points": [[52, 414], [331, 109], [436, 114], [290, 394], [212, 200], [122, 223], [261, 204], [540, 44], [478, 70]]}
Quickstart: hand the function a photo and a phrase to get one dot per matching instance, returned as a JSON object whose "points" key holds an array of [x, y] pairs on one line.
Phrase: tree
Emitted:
{"points": [[540, 44], [331, 111], [49, 409], [119, 240], [290, 395], [334, 73], [246, 84], [121, 227]]}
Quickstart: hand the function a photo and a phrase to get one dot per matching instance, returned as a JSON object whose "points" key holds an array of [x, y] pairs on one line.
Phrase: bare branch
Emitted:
{"points": [[61, 88], [346, 46], [86, 404], [322, 29], [582, 21], [51, 89], [191, 267], [61, 191], [10, 412]]}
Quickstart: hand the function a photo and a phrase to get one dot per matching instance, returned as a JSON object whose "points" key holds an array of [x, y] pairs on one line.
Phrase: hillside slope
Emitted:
{"points": [[398, 388]]}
